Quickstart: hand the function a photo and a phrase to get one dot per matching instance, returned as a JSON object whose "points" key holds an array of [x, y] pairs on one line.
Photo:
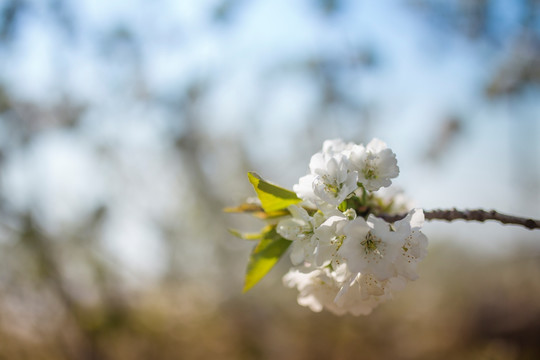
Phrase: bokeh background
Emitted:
{"points": [[127, 126]]}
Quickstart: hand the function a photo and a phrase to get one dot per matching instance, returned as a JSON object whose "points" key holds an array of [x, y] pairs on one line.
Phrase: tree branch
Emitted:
{"points": [[470, 215]]}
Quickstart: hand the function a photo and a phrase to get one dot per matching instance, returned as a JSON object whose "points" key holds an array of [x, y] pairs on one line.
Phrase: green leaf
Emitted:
{"points": [[264, 256], [272, 196], [257, 211]]}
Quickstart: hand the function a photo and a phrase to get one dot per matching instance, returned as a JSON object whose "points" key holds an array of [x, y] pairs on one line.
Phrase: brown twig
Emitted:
{"points": [[470, 215]]}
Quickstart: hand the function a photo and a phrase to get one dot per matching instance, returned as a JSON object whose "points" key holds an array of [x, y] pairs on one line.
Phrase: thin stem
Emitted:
{"points": [[470, 215]]}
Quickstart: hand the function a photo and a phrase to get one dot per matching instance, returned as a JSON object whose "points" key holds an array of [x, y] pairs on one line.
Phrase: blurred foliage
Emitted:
{"points": [[463, 308], [64, 295]]}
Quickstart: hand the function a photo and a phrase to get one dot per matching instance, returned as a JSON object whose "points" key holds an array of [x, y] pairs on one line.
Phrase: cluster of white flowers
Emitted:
{"points": [[346, 259]]}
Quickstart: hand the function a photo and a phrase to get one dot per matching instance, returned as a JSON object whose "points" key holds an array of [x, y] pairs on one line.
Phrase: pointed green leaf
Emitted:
{"points": [[272, 196], [257, 211], [264, 256]]}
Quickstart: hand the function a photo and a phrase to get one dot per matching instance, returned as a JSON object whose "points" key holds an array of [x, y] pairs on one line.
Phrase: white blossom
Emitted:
{"points": [[297, 227], [329, 238], [376, 164], [318, 288], [338, 293], [334, 181], [350, 264], [414, 247], [371, 247], [330, 179], [304, 189], [350, 299], [300, 229]]}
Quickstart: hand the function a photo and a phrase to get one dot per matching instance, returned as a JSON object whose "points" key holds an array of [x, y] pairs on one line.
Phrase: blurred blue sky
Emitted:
{"points": [[128, 60]]}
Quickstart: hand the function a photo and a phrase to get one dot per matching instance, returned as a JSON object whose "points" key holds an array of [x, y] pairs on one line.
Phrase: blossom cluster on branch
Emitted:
{"points": [[345, 258]]}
